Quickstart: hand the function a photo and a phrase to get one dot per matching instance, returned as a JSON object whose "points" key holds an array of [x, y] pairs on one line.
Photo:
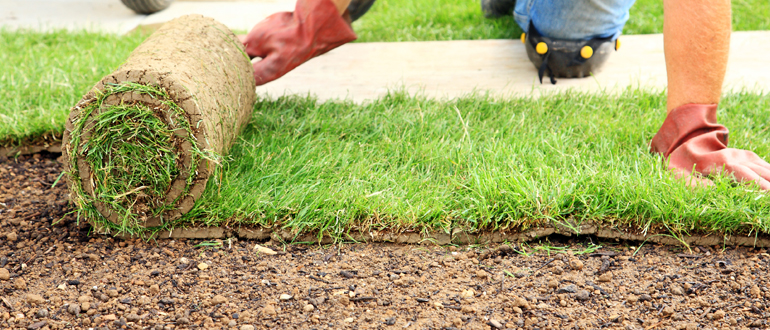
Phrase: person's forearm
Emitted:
{"points": [[341, 5], [696, 36]]}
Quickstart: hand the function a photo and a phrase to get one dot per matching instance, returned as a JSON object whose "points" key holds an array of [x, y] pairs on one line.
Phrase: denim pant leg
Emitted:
{"points": [[574, 19]]}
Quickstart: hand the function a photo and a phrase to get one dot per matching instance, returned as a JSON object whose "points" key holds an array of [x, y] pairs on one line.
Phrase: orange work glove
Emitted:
{"points": [[287, 39], [691, 139]]}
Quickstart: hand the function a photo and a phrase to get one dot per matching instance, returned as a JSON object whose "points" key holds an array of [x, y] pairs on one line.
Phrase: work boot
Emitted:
{"points": [[497, 8], [358, 8], [566, 58]]}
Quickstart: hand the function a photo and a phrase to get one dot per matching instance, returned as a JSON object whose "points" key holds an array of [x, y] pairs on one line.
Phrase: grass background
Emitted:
{"points": [[405, 162], [411, 20], [43, 74]]}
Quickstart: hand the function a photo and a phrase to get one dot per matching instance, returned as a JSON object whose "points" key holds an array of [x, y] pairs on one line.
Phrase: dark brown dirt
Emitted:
{"points": [[55, 276], [202, 66]]}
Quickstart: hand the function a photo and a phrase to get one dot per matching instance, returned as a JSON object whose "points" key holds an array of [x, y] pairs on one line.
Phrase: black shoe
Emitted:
{"points": [[358, 8], [497, 8]]}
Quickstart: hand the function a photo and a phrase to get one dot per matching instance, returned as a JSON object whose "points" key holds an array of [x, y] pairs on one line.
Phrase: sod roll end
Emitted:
{"points": [[142, 144]]}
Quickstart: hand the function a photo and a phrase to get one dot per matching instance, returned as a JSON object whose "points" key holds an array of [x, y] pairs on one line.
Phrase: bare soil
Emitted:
{"points": [[54, 275]]}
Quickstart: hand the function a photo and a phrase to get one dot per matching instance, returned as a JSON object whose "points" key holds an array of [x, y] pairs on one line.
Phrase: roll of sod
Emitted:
{"points": [[141, 145]]}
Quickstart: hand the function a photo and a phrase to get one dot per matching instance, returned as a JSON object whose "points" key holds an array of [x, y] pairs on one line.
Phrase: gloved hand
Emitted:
{"points": [[285, 40], [690, 138]]}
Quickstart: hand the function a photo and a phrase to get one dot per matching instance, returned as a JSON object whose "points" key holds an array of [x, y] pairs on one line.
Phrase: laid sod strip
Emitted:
{"points": [[140, 147], [477, 164], [43, 74]]}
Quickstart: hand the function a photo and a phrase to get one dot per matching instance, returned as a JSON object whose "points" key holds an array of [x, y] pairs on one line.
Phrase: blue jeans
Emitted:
{"points": [[573, 19]]}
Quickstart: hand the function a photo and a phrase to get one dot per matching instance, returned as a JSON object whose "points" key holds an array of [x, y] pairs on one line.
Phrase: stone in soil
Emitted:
{"points": [[582, 295]]}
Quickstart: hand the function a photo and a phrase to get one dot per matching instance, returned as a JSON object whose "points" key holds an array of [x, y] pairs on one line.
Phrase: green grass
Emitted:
{"points": [[748, 15], [410, 20], [42, 75], [478, 164]]}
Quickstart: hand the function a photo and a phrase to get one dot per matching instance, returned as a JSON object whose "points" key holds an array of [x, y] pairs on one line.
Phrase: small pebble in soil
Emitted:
{"points": [[4, 274], [755, 292], [677, 290], [42, 313], [218, 299], [37, 325], [553, 284], [576, 264], [269, 310], [20, 284], [34, 299], [131, 317], [308, 308], [264, 250], [467, 294], [582, 295], [247, 327], [73, 309], [203, 266], [567, 289], [285, 297]]}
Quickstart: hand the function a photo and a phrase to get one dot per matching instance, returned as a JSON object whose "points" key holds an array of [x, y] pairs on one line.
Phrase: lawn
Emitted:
{"points": [[477, 163], [410, 163], [410, 20]]}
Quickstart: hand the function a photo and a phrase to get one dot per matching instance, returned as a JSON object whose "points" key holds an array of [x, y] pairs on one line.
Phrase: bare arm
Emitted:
{"points": [[696, 36]]}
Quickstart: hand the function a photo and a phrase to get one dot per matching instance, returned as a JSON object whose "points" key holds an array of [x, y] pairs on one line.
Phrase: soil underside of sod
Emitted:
{"points": [[55, 273]]}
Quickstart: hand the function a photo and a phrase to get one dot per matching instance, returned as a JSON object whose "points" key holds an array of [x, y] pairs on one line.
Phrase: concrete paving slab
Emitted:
{"points": [[449, 69], [238, 15], [45, 15], [113, 17]]}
